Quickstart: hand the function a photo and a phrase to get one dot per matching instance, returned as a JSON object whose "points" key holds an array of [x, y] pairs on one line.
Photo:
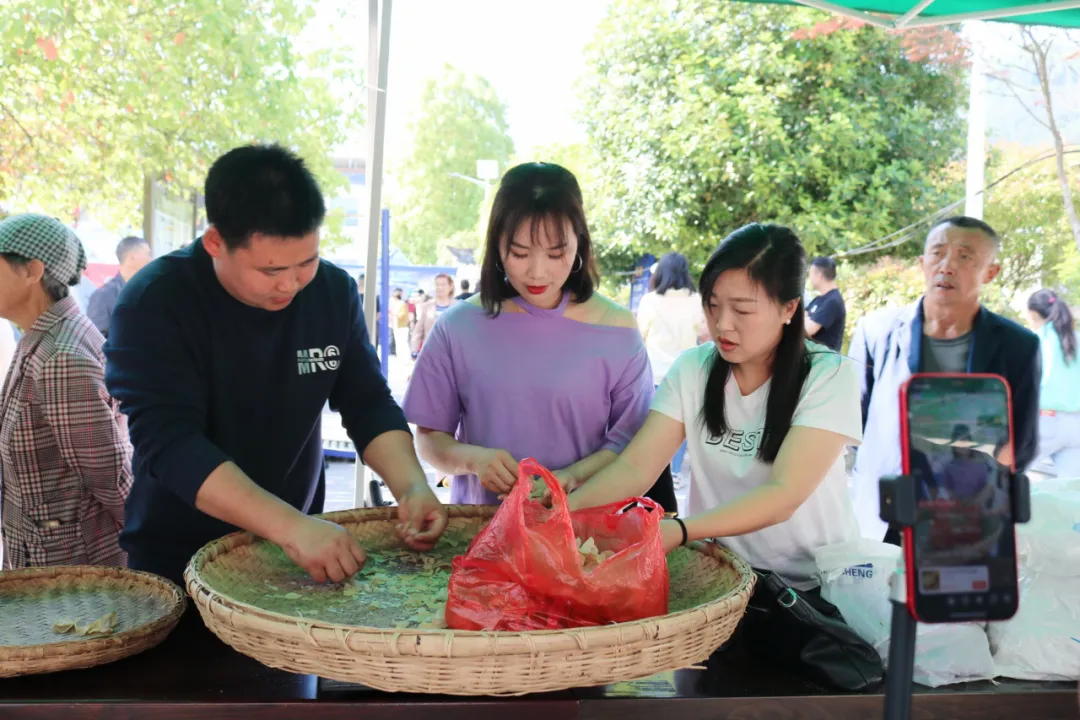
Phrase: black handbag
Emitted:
{"points": [[663, 492], [806, 635]]}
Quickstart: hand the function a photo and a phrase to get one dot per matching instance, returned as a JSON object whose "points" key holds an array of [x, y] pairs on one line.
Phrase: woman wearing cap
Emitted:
{"points": [[64, 450]]}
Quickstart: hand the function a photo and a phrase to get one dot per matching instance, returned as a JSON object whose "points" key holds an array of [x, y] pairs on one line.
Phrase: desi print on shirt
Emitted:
{"points": [[737, 442]]}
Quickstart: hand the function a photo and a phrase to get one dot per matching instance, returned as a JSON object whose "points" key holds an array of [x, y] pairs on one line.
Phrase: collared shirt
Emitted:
{"points": [[100, 306], [64, 450], [888, 344]]}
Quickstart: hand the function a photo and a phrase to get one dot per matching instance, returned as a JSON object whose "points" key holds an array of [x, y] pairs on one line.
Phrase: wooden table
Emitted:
{"points": [[193, 676]]}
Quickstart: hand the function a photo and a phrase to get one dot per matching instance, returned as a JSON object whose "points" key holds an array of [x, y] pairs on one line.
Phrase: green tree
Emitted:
{"points": [[460, 120], [707, 115], [1031, 82], [97, 94], [1026, 209]]}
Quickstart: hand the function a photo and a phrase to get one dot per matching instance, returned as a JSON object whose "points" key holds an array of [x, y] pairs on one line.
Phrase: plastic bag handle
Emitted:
{"points": [[529, 467], [643, 502]]}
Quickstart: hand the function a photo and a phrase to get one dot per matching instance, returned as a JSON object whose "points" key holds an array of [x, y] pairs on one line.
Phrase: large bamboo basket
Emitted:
{"points": [[31, 600], [472, 663]]}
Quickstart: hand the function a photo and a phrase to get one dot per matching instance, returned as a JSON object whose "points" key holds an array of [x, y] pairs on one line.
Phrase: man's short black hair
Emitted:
{"points": [[826, 266], [969, 223], [262, 189], [125, 246], [464, 286]]}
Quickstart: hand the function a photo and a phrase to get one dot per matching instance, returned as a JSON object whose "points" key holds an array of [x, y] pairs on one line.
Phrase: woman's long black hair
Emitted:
{"points": [[774, 258], [672, 273], [1050, 307]]}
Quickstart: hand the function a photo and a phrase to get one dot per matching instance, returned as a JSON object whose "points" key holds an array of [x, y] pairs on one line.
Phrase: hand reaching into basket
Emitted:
{"points": [[325, 550], [422, 517]]}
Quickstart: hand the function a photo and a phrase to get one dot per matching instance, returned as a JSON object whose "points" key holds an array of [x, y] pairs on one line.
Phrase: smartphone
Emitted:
{"points": [[957, 443]]}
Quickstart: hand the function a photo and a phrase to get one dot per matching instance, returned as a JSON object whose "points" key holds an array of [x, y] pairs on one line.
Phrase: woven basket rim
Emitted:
{"points": [[108, 576], [202, 594]]}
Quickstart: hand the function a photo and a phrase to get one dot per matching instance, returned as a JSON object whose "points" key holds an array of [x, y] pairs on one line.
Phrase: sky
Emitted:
{"points": [[532, 52]]}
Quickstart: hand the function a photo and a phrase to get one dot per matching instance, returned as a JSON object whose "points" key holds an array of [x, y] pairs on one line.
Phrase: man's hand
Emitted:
{"points": [[422, 517], [497, 470], [324, 550]]}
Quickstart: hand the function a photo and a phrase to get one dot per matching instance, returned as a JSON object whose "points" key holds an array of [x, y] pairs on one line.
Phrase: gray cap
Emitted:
{"points": [[39, 237]]}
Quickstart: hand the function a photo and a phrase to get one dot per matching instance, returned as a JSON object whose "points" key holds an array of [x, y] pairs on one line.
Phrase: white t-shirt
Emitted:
{"points": [[670, 324], [725, 468]]}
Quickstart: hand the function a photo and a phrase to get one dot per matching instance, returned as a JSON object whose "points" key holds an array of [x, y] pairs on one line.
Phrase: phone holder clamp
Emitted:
{"points": [[899, 507]]}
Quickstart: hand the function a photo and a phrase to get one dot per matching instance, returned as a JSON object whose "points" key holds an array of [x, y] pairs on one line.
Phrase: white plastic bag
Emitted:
{"points": [[855, 578], [1050, 543], [1042, 641]]}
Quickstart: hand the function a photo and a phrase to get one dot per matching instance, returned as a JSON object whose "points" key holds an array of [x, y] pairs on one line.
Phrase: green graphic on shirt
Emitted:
{"points": [[737, 442]]}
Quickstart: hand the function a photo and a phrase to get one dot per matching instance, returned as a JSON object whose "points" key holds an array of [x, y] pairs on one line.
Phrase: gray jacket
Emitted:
{"points": [[888, 344]]}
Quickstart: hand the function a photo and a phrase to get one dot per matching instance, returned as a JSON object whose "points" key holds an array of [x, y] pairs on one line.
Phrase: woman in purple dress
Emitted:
{"points": [[537, 364]]}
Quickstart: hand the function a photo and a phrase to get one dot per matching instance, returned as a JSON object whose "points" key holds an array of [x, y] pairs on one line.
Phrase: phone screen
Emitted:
{"points": [[959, 452]]}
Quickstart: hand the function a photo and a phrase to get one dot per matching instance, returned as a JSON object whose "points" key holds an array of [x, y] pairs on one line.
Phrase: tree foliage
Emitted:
{"points": [[1044, 53], [1027, 211], [95, 94], [460, 120], [705, 115]]}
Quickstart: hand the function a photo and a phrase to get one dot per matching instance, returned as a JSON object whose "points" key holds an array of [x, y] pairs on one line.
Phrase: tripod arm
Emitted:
{"points": [[901, 668]]}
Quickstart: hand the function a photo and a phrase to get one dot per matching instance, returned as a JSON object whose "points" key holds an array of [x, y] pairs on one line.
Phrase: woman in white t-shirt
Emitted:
{"points": [[671, 321], [670, 315], [766, 414]]}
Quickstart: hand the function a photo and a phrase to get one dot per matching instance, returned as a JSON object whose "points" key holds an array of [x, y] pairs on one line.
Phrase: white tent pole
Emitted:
{"points": [[378, 67], [909, 19], [976, 139], [377, 73], [1040, 9], [847, 12], [913, 13]]}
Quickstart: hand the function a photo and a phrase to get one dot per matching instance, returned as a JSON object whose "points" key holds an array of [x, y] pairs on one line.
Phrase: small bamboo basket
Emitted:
{"points": [[470, 663], [147, 608]]}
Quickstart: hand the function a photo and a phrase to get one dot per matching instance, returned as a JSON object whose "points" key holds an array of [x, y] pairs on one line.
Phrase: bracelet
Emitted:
{"points": [[682, 525]]}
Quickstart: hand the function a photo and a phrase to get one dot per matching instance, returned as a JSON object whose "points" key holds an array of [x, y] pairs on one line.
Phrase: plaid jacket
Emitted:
{"points": [[64, 449]]}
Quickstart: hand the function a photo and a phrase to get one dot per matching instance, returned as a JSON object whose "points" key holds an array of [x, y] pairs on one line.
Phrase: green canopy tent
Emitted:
{"points": [[898, 14]]}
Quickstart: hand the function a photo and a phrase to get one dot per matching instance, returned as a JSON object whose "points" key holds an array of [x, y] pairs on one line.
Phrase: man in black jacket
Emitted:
{"points": [[946, 331], [223, 356]]}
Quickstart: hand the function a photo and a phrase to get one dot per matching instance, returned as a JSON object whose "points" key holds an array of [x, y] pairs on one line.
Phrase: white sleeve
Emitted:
{"points": [[668, 399], [830, 397], [701, 325], [646, 313]]}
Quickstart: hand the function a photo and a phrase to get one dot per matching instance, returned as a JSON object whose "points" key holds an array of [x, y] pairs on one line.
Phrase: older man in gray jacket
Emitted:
{"points": [[947, 331]]}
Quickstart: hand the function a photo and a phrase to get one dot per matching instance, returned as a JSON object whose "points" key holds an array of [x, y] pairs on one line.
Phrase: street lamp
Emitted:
{"points": [[487, 171], [468, 178]]}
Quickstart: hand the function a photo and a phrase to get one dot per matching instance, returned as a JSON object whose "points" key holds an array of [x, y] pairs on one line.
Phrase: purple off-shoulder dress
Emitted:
{"points": [[535, 384]]}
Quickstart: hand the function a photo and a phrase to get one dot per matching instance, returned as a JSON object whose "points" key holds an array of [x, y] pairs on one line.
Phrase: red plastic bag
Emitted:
{"points": [[524, 572]]}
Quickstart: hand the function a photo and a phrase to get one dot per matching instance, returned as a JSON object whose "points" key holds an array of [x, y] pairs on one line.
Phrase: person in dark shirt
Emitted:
{"points": [[465, 293], [223, 355], [133, 253], [361, 283], [826, 314]]}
